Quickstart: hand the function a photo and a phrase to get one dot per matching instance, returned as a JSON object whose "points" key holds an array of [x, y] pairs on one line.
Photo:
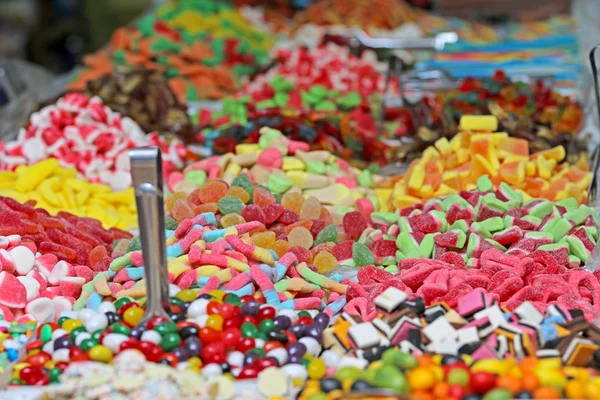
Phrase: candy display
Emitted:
{"points": [[201, 48], [85, 134], [328, 95], [55, 188], [330, 231], [145, 97], [453, 165]]}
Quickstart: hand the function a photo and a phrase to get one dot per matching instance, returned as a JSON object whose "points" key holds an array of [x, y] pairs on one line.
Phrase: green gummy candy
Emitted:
{"points": [[480, 229], [405, 242], [473, 244], [569, 204], [170, 224], [454, 199], [318, 91], [415, 212], [530, 218], [325, 106], [574, 259], [374, 200], [511, 194], [561, 228], [403, 224], [261, 105], [460, 224], [471, 263], [196, 176], [550, 225], [242, 181], [578, 216], [578, 249], [349, 100], [279, 184], [136, 243], [399, 256], [441, 217], [315, 167], [554, 246], [146, 25], [427, 244], [539, 235], [365, 179], [343, 210], [281, 99], [361, 255], [484, 184], [230, 204], [541, 210], [385, 217], [391, 269], [496, 245], [591, 232], [492, 224], [492, 202]]}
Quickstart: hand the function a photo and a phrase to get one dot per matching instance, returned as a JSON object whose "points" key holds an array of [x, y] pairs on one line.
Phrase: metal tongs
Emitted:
{"points": [[593, 191], [146, 173]]}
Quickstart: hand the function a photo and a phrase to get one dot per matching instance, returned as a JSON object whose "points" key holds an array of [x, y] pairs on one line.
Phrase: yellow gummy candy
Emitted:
{"points": [[32, 176], [487, 123]]}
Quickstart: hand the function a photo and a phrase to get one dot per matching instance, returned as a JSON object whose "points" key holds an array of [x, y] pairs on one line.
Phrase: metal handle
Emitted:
{"points": [[433, 43], [592, 192], [146, 173]]}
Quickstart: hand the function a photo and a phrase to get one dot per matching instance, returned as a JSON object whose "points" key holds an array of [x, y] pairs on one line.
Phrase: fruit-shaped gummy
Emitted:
{"points": [[208, 207], [301, 236], [289, 217], [325, 262], [262, 197], [264, 239], [272, 213], [240, 193], [253, 212], [182, 210], [293, 201], [231, 219], [305, 224], [213, 191], [311, 208], [280, 247], [174, 197], [354, 224]]}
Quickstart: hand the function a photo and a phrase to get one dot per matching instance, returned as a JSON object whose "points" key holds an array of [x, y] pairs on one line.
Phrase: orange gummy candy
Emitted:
{"points": [[213, 191], [293, 201]]}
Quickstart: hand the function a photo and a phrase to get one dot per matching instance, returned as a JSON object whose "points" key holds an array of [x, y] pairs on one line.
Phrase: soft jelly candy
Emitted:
{"points": [[212, 192], [230, 204], [253, 212], [301, 236], [182, 210], [264, 239], [280, 247], [293, 201], [354, 224], [231, 220], [325, 262], [262, 197], [239, 192], [311, 209]]}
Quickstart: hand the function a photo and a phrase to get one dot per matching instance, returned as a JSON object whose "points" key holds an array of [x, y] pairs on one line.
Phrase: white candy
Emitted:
{"points": [[61, 305], [24, 259], [197, 308], [330, 358], [291, 314], [31, 286], [183, 365], [235, 358], [81, 337], [60, 355], [259, 343], [151, 336], [201, 320], [280, 354], [295, 371], [113, 341], [212, 369], [312, 345], [10, 344], [98, 321], [106, 306], [48, 348], [60, 270], [58, 333], [173, 289], [85, 314], [41, 308]]}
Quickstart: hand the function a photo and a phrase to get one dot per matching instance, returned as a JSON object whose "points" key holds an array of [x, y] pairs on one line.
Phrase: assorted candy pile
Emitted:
{"points": [[287, 166], [55, 188], [324, 96], [453, 165], [85, 134], [145, 97], [201, 48], [293, 265]]}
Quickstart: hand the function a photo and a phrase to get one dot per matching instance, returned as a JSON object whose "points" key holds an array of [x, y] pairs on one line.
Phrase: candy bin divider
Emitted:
{"points": [[146, 173], [594, 185]]}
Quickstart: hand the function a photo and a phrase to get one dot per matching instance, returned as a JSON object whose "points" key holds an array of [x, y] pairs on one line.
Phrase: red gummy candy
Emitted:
{"points": [[289, 217], [453, 258], [384, 248], [272, 213], [62, 252], [317, 226], [301, 253], [252, 212], [354, 224], [509, 236], [343, 250], [370, 274], [426, 223]]}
